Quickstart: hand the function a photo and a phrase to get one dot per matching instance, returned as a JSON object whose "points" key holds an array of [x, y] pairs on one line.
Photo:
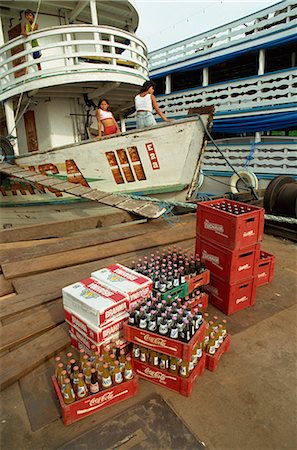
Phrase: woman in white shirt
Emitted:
{"points": [[145, 101], [106, 118]]}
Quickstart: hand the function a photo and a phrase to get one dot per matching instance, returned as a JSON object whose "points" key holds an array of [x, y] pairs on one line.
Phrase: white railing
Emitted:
{"points": [[245, 31], [265, 90], [261, 158], [69, 49]]}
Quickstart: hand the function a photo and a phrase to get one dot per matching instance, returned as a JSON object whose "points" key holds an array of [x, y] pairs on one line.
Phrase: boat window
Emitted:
{"points": [[282, 57], [160, 85], [240, 67], [186, 80]]}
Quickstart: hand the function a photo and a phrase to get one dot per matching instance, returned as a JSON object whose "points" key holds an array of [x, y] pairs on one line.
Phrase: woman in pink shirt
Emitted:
{"points": [[106, 118]]}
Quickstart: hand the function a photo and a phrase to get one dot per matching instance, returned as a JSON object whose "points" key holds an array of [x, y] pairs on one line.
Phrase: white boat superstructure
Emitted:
{"points": [[247, 69], [88, 50]]}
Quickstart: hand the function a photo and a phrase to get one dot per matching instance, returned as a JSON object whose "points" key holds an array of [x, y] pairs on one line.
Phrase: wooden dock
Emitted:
{"points": [[38, 260]]}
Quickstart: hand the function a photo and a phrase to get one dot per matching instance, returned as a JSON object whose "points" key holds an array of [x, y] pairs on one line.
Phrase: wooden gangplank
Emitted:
{"points": [[143, 208]]}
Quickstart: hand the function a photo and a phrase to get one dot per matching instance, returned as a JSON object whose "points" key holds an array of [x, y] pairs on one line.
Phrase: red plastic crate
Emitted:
{"points": [[199, 280], [231, 298], [168, 380], [227, 229], [202, 300], [265, 268], [162, 344], [89, 405], [229, 265], [212, 361]]}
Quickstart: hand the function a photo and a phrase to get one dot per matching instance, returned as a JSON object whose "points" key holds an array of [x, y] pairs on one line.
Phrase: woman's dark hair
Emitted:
{"points": [[29, 11], [103, 100], [146, 85]]}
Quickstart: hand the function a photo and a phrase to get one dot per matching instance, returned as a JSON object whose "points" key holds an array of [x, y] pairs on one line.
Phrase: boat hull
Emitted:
{"points": [[160, 160]]}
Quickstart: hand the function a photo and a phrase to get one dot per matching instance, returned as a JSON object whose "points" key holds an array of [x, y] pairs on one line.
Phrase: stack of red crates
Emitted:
{"points": [[229, 245]]}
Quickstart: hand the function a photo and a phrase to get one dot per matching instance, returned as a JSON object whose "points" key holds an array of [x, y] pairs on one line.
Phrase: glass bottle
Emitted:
{"points": [[128, 372], [106, 378], [94, 385], [68, 393], [82, 390], [117, 374], [164, 362]]}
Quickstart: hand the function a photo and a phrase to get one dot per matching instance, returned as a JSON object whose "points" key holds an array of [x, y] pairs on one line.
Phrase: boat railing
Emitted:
{"points": [[278, 88], [262, 158], [68, 50], [247, 31]]}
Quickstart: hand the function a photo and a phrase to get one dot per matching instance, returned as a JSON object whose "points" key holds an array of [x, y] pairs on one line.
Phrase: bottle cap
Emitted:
{"points": [[75, 368], [80, 375], [128, 358], [93, 370], [67, 380], [63, 372], [69, 355], [58, 358], [60, 365]]}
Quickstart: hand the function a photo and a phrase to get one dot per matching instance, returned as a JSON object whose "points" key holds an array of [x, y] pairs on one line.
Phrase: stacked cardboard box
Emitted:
{"points": [[97, 307]]}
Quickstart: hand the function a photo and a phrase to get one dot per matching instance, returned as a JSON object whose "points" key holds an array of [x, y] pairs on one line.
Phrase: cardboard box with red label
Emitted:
{"points": [[110, 330], [94, 301], [126, 281]]}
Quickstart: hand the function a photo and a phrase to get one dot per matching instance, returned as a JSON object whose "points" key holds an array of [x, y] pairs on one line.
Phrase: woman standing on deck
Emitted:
{"points": [[145, 101], [106, 118]]}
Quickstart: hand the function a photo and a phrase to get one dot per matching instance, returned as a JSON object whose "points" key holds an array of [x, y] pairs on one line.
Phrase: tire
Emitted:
{"points": [[272, 190], [249, 177]]}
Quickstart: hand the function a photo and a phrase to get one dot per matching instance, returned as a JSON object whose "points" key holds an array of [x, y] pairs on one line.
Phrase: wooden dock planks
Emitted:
{"points": [[35, 270]]}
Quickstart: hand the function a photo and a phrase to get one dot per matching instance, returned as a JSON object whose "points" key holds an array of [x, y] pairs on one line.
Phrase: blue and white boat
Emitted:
{"points": [[247, 70]]}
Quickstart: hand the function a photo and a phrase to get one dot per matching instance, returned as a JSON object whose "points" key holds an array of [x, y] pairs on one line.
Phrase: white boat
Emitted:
{"points": [[248, 70], [162, 160], [88, 50]]}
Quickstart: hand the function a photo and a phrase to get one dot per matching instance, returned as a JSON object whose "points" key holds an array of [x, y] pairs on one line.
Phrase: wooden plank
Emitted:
{"points": [[62, 228], [57, 279], [22, 302], [183, 230], [19, 331], [5, 286], [94, 237], [21, 361]]}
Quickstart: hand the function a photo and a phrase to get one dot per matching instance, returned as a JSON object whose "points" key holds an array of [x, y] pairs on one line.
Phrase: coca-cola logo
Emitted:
{"points": [[241, 299], [149, 340], [262, 274], [103, 399], [248, 233], [244, 267], [156, 341], [156, 375]]}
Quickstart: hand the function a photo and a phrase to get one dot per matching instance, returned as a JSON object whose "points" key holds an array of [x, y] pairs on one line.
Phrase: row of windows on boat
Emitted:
{"points": [[278, 58]]}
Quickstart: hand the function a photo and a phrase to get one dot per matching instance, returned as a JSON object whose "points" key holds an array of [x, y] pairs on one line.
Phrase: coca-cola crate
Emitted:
{"points": [[231, 298], [201, 300], [227, 229], [160, 344], [168, 380], [231, 266], [212, 361], [180, 291], [89, 405], [199, 280], [265, 268]]}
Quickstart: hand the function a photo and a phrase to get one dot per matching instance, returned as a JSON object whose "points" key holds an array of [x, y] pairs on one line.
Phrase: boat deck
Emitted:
{"points": [[248, 403]]}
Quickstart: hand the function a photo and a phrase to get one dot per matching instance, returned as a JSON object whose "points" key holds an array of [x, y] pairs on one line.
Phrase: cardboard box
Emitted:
{"points": [[126, 281], [79, 340], [110, 330], [94, 301]]}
